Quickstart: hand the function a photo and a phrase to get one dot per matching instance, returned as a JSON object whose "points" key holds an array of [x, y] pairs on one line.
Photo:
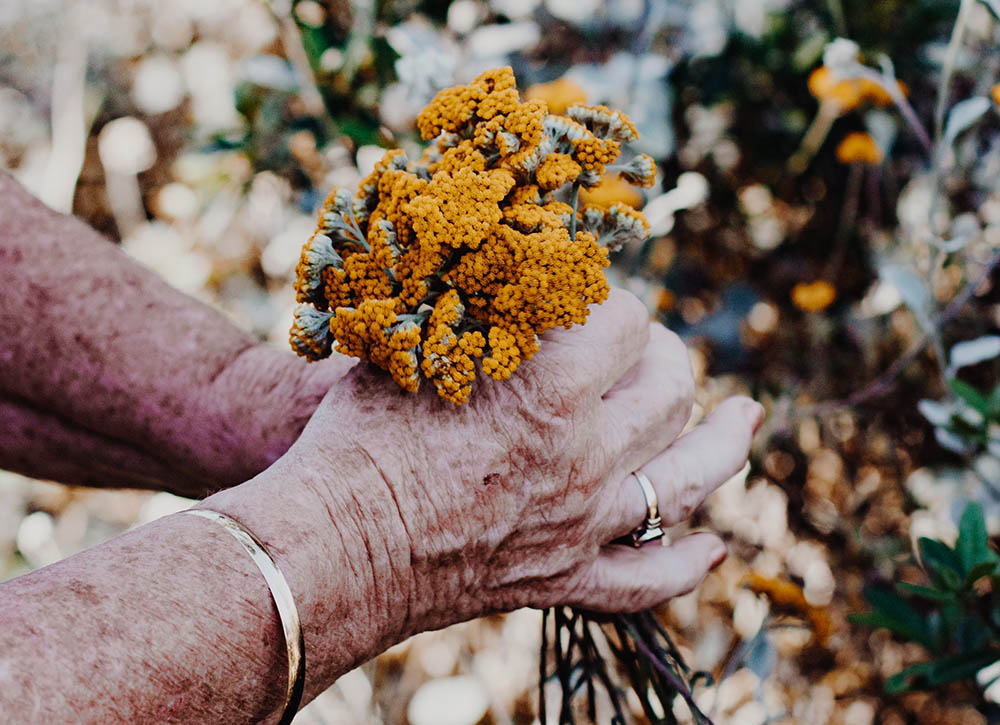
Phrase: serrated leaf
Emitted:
{"points": [[962, 115], [973, 544], [900, 682], [892, 612], [969, 395], [960, 666], [972, 352], [939, 672], [941, 563], [933, 595]]}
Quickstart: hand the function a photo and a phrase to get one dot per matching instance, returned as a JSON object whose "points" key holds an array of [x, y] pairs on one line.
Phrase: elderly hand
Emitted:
{"points": [[512, 499], [392, 513]]}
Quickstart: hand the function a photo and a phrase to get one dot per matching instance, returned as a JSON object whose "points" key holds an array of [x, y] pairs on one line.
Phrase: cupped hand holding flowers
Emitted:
{"points": [[514, 499]]}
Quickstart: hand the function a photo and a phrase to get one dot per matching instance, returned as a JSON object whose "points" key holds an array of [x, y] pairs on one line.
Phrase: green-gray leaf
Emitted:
{"points": [[962, 115]]}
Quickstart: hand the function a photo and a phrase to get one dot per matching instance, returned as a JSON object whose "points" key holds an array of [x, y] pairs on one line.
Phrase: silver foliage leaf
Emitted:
{"points": [[936, 413], [962, 115], [911, 287], [971, 352]]}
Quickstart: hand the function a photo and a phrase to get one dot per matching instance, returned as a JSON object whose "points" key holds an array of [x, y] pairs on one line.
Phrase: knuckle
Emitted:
{"points": [[685, 384], [633, 324]]}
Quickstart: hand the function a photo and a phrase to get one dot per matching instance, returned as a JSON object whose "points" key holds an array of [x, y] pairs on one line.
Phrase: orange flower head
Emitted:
{"points": [[460, 260]]}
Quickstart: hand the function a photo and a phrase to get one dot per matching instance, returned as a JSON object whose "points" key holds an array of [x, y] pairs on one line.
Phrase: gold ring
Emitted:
{"points": [[651, 527]]}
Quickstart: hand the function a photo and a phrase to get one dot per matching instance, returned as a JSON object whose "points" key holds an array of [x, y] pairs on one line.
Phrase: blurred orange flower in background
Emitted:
{"points": [[859, 146], [611, 190], [848, 93], [558, 95], [813, 296], [788, 598]]}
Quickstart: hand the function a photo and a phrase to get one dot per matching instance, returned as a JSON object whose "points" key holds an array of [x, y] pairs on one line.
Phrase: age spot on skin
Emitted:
{"points": [[86, 592]]}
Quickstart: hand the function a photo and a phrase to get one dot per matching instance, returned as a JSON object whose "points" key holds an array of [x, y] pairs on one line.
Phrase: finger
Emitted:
{"points": [[595, 355], [649, 406], [692, 467], [625, 579]]}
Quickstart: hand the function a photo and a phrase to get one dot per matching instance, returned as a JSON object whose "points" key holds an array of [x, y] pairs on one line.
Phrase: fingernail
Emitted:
{"points": [[755, 414], [720, 555]]}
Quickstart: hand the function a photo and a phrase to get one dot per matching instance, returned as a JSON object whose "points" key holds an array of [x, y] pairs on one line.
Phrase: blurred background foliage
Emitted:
{"points": [[821, 245]]}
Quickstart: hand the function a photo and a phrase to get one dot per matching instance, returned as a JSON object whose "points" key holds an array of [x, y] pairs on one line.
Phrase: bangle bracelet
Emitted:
{"points": [[283, 601]]}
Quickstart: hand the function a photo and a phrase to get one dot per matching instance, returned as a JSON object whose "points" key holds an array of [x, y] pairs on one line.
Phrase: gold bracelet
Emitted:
{"points": [[282, 595]]}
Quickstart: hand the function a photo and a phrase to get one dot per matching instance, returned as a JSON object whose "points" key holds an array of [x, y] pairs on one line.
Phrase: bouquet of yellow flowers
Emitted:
{"points": [[460, 259], [457, 261]]}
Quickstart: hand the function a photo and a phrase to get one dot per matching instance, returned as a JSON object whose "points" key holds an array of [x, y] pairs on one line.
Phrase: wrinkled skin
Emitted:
{"points": [[512, 499], [391, 514]]}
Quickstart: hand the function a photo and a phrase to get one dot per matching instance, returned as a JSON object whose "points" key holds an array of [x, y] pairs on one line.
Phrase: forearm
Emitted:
{"points": [[173, 622], [109, 352], [44, 445]]}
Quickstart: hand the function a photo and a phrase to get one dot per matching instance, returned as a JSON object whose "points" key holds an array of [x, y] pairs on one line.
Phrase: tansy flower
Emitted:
{"points": [[640, 171], [460, 260], [555, 170], [813, 296], [604, 122], [310, 334], [317, 254], [858, 146], [615, 226], [558, 95]]}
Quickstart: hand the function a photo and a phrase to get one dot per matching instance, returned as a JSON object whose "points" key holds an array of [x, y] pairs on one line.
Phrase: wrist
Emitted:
{"points": [[339, 553], [265, 396]]}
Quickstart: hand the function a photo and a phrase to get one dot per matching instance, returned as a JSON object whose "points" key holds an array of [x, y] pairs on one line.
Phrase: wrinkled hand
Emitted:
{"points": [[512, 499]]}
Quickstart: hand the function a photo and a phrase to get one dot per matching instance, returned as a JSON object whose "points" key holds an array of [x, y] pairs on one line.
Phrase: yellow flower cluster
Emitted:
{"points": [[460, 260]]}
